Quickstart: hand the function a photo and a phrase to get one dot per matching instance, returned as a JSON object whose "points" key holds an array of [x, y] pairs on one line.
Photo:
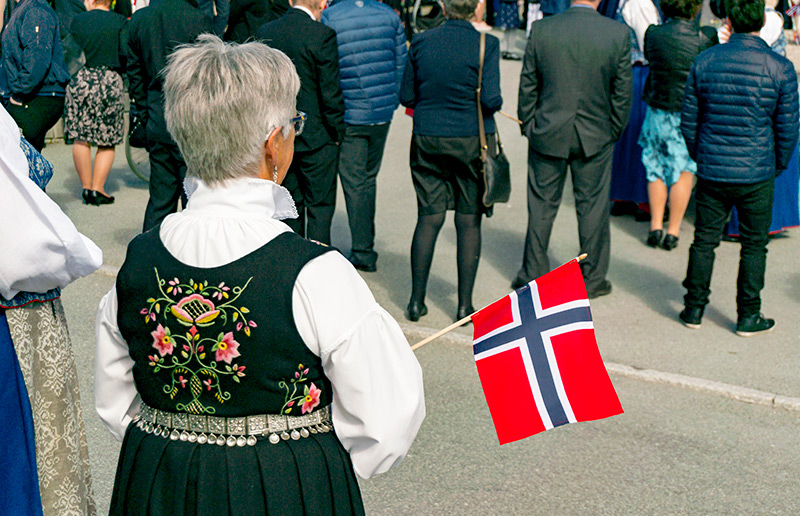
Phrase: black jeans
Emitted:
{"points": [[360, 158], [714, 201], [167, 171], [36, 117]]}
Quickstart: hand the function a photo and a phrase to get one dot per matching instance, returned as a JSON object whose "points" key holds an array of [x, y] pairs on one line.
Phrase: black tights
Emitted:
{"points": [[468, 252]]}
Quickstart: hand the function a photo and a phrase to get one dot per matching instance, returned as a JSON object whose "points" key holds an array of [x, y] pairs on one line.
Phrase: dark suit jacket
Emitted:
{"points": [[441, 78], [576, 74], [153, 35], [312, 47]]}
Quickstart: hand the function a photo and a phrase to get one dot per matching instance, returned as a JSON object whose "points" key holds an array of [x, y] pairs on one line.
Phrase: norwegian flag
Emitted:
{"points": [[538, 360]]}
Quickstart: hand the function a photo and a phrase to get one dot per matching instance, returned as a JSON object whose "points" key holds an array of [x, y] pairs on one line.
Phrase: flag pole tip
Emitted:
{"points": [[582, 257]]}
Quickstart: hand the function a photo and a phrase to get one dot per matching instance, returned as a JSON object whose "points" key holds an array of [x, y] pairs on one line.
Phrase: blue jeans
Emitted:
{"points": [[714, 201]]}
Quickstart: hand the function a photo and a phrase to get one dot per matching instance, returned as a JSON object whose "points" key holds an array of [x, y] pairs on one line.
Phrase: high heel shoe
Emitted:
{"points": [[654, 238], [464, 311], [98, 198], [86, 195], [670, 242], [415, 310]]}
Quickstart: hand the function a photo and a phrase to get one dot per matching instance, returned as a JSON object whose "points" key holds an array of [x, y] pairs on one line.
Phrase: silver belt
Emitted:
{"points": [[233, 431]]}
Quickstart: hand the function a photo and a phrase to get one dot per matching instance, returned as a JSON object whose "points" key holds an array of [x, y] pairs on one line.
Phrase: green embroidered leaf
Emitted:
{"points": [[184, 355], [235, 379], [157, 369], [244, 310], [202, 356], [287, 411], [235, 316], [158, 307], [305, 391], [169, 290], [227, 368], [151, 300]]}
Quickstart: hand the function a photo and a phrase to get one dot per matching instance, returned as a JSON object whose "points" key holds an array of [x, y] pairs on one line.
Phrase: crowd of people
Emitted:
{"points": [[236, 343]]}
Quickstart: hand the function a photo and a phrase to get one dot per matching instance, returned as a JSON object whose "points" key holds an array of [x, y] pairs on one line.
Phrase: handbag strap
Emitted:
{"points": [[481, 133]]}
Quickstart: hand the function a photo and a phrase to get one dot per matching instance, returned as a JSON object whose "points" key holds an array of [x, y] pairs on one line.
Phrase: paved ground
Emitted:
{"points": [[674, 451]]}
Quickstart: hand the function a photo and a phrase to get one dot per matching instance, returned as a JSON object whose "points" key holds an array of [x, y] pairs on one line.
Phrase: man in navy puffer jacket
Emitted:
{"points": [[372, 56], [740, 122]]}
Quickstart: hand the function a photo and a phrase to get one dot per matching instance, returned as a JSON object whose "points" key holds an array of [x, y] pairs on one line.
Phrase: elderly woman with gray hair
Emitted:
{"points": [[249, 371]]}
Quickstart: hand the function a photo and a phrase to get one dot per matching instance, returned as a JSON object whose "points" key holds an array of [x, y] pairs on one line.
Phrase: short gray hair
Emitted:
{"points": [[221, 100], [460, 9]]}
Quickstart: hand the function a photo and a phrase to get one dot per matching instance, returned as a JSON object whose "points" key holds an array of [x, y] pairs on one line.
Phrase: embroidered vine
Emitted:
{"points": [[201, 362], [310, 396]]}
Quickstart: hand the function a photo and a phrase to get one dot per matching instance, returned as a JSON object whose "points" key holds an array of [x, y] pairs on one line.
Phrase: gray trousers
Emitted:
{"points": [[591, 180], [360, 156]]}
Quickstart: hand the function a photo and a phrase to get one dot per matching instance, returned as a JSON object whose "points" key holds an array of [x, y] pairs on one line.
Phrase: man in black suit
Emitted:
{"points": [[574, 99], [153, 35], [312, 175]]}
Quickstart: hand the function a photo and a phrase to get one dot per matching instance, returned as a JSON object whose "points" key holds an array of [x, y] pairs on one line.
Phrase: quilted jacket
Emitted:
{"points": [[740, 111], [372, 56]]}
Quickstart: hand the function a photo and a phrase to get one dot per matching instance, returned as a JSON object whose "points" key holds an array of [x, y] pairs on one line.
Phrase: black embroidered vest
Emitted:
{"points": [[221, 340]]}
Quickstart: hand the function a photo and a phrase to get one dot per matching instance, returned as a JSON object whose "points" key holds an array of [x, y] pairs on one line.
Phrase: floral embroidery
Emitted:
{"points": [[192, 366], [310, 396]]}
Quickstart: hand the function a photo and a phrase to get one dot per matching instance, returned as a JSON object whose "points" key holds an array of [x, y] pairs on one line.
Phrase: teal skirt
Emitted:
{"points": [[664, 152]]}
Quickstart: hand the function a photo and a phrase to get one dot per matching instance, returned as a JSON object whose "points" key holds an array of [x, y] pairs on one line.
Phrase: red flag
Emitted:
{"points": [[538, 360]]}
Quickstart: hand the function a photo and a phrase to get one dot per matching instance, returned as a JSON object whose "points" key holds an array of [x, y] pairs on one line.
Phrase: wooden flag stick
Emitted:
{"points": [[517, 120], [461, 322]]}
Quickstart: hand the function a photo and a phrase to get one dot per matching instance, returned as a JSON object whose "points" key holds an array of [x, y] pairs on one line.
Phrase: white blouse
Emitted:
{"points": [[378, 404], [40, 248]]}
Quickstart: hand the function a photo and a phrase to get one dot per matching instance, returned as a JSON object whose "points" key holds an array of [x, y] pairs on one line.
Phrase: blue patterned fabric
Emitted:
{"points": [[18, 460], [41, 172], [664, 152]]}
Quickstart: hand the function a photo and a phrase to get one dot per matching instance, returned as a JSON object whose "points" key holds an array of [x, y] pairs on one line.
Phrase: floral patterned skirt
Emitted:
{"points": [[95, 107], [311, 475]]}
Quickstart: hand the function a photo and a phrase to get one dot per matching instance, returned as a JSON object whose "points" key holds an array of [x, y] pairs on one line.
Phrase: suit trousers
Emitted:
{"points": [[360, 158], [167, 171], [591, 181], [713, 204], [312, 182]]}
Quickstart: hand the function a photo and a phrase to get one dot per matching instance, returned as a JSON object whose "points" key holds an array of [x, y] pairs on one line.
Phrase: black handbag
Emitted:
{"points": [[496, 170]]}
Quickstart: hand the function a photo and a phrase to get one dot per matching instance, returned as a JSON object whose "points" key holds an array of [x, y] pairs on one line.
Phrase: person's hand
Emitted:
{"points": [[15, 102], [724, 32]]}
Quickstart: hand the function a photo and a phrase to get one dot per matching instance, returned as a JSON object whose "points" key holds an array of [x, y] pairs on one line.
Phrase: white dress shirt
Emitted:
{"points": [[40, 248], [378, 404]]}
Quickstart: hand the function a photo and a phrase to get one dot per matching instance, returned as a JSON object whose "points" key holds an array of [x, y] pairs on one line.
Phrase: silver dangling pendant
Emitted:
{"points": [[295, 435], [275, 174], [304, 432], [193, 437]]}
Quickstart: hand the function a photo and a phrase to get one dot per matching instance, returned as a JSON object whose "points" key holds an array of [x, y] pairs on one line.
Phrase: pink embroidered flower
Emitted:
{"points": [[207, 383], [182, 381], [226, 348], [312, 398], [162, 340], [195, 309]]}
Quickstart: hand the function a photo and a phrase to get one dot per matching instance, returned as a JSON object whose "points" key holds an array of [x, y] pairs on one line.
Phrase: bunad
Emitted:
{"points": [[250, 371]]}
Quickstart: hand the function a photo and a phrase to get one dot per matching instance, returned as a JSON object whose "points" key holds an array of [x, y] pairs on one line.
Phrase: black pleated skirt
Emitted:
{"points": [[158, 476]]}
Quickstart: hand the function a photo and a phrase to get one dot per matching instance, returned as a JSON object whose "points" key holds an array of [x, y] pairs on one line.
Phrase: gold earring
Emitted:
{"points": [[275, 174]]}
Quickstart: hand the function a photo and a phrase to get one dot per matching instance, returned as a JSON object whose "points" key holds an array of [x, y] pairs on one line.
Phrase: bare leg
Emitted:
{"points": [[102, 166], [679, 195], [82, 158], [657, 193]]}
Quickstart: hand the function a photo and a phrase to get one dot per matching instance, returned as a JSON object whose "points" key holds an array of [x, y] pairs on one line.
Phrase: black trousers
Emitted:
{"points": [[167, 171], [36, 117], [591, 182], [312, 182], [713, 201], [360, 156]]}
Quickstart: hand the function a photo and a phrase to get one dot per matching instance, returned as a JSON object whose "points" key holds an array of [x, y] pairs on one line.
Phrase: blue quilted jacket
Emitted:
{"points": [[740, 111], [372, 56]]}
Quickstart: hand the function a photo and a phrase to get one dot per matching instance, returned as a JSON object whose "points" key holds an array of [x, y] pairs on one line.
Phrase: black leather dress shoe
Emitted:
{"points": [[86, 195], [366, 267], [670, 242], [654, 238], [603, 290], [518, 283], [415, 311]]}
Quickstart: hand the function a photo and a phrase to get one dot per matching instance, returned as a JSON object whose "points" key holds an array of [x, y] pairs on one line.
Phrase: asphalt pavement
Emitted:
{"points": [[679, 448]]}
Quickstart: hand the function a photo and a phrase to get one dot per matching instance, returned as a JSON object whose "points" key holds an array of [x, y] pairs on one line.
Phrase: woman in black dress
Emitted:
{"points": [[95, 97], [439, 84]]}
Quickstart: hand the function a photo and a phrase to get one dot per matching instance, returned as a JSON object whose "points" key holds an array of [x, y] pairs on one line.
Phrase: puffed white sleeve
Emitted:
{"points": [[42, 248], [115, 396], [378, 399]]}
